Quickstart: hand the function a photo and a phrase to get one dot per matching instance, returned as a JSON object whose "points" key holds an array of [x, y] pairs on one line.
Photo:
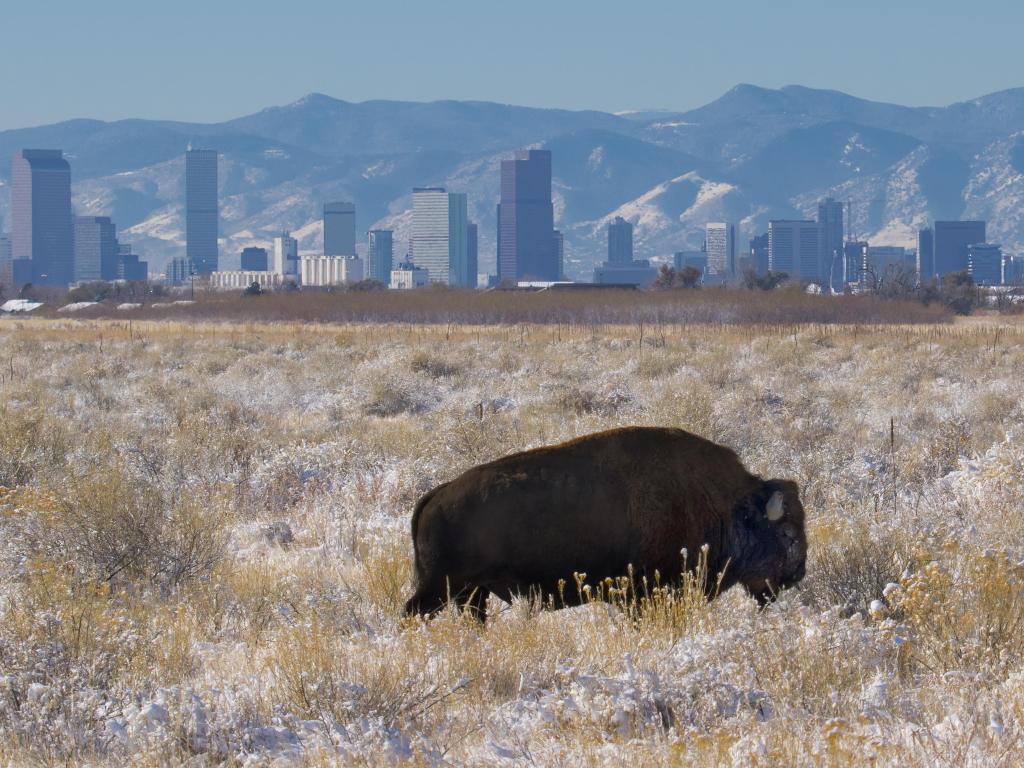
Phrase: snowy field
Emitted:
{"points": [[205, 548]]}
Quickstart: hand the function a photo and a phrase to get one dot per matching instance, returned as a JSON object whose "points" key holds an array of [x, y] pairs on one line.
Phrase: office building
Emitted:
{"points": [[42, 236], [440, 233], [320, 271], [985, 263], [636, 273], [472, 255], [720, 245], [830, 220], [696, 259], [925, 254], [950, 243], [560, 253], [380, 255], [853, 260], [881, 263], [286, 256], [758, 259], [407, 276], [526, 248], [254, 260], [129, 267], [339, 229], [620, 242], [96, 256], [794, 247], [1013, 270], [6, 263], [201, 209], [179, 270]]}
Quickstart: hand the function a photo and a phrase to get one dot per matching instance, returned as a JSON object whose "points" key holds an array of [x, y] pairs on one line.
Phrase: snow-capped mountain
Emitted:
{"points": [[751, 155]]}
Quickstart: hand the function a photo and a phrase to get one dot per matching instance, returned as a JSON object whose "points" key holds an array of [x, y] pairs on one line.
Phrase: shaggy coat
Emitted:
{"points": [[597, 505]]}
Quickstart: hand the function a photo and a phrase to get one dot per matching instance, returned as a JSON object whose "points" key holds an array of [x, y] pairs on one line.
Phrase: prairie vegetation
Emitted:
{"points": [[205, 546]]}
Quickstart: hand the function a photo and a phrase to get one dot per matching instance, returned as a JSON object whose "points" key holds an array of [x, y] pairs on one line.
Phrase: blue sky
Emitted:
{"points": [[212, 60]]}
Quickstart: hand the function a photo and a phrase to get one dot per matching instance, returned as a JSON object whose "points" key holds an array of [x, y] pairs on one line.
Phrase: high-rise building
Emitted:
{"points": [[95, 248], [526, 249], [380, 255], [951, 239], [830, 220], [6, 263], [720, 239], [201, 209], [853, 260], [178, 270], [560, 253], [129, 267], [472, 255], [881, 263], [41, 222], [925, 254], [286, 255], [696, 259], [985, 263], [254, 260], [339, 229], [794, 247], [620, 242], [759, 253], [440, 231]]}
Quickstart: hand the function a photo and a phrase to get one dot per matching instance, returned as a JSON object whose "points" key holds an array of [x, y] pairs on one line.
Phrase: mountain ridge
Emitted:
{"points": [[752, 154]]}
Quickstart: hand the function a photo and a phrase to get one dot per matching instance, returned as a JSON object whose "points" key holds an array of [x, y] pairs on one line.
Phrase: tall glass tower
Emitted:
{"points": [[201, 209], [526, 244], [41, 223], [440, 232]]}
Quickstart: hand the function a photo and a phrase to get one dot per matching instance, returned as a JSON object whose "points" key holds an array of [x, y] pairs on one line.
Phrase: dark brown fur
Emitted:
{"points": [[596, 505]]}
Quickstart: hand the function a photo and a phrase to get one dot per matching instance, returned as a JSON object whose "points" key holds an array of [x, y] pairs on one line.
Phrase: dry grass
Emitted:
{"points": [[154, 611]]}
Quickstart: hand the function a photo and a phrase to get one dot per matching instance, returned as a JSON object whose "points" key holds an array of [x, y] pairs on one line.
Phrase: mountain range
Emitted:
{"points": [[749, 156]]}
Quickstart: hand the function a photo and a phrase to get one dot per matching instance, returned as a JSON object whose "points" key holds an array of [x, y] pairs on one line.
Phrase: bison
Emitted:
{"points": [[601, 505]]}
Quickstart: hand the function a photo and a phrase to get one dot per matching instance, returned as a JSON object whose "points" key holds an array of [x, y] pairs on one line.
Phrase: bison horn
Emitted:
{"points": [[775, 507]]}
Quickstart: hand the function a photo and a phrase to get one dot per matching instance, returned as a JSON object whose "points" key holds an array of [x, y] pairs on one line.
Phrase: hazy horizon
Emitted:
{"points": [[192, 63]]}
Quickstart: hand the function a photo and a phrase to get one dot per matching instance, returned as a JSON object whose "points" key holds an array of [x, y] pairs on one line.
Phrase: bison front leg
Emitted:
{"points": [[429, 600]]}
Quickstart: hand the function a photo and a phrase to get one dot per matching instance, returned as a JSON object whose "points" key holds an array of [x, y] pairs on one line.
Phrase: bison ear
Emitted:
{"points": [[775, 508]]}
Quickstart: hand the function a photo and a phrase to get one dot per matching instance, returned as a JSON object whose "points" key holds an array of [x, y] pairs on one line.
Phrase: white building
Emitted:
{"points": [[241, 279], [440, 235], [330, 270], [286, 255], [408, 276], [720, 237]]}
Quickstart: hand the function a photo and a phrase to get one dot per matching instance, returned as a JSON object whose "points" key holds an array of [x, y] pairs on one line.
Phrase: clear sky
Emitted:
{"points": [[209, 60]]}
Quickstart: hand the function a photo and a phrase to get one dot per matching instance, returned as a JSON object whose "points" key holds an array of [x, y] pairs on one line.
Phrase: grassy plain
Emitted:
{"points": [[152, 612]]}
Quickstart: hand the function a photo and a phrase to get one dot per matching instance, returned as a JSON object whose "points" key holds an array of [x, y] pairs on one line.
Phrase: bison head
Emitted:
{"points": [[771, 550]]}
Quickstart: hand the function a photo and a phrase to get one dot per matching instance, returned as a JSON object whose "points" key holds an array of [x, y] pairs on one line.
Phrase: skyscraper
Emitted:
{"points": [[830, 219], [794, 247], [96, 252], [721, 249], [925, 255], [560, 253], [985, 263], [6, 263], [380, 255], [620, 242], [526, 248], [950, 244], [759, 253], [41, 226], [472, 255], [201, 211], [440, 230], [339, 229]]}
